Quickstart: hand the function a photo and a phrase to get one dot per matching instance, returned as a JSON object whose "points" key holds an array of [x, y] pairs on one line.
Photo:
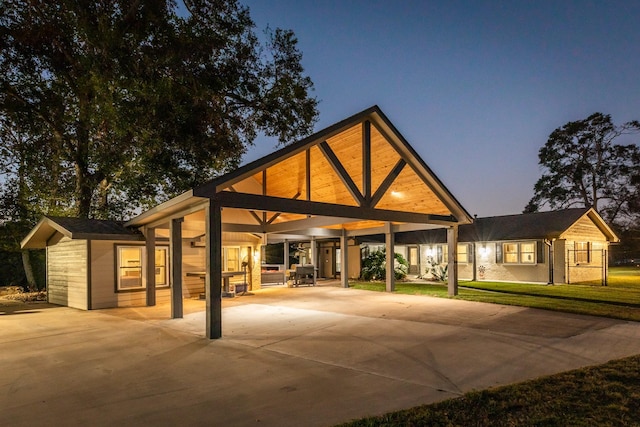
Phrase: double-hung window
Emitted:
{"points": [[519, 253]]}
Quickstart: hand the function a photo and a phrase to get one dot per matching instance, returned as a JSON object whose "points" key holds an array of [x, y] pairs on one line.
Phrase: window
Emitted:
{"points": [[338, 260], [130, 263], [463, 254], [519, 253], [230, 259], [528, 253], [443, 254], [129, 267], [510, 253], [582, 252], [162, 272]]}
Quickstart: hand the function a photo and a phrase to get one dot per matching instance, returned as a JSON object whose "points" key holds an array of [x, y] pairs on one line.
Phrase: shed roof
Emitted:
{"points": [[538, 225], [77, 228]]}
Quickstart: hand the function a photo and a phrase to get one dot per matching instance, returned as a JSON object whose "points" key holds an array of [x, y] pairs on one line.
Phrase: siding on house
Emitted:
{"points": [[103, 279], [584, 231], [500, 271], [67, 270]]}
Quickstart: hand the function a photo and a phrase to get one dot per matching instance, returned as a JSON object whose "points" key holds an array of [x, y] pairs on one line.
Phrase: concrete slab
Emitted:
{"points": [[302, 356]]}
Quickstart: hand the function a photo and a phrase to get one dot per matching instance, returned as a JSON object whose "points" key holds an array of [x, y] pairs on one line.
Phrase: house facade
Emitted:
{"points": [[566, 246]]}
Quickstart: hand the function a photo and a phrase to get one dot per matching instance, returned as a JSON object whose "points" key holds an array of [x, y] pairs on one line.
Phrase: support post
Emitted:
{"points": [[286, 254], [213, 267], [150, 247], [175, 247], [314, 258], [390, 252], [452, 243], [344, 259], [474, 259]]}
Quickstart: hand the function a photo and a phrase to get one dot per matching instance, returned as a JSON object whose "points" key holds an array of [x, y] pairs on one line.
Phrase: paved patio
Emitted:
{"points": [[303, 356]]}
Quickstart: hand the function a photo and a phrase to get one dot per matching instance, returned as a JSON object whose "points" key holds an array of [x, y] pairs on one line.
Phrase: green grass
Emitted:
{"points": [[620, 300], [604, 395]]}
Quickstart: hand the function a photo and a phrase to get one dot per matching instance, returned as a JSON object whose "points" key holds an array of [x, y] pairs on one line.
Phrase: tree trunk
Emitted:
{"points": [[28, 269]]}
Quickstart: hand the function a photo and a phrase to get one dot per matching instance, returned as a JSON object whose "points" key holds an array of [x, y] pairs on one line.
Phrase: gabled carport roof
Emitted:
{"points": [[356, 175]]}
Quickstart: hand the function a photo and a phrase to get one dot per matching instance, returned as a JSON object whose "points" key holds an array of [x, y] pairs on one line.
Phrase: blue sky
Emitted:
{"points": [[476, 87]]}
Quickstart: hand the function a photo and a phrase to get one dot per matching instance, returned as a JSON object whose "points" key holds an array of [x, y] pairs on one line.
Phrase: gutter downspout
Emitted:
{"points": [[549, 243]]}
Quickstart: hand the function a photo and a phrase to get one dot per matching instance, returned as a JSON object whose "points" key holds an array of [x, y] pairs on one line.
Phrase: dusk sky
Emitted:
{"points": [[476, 87]]}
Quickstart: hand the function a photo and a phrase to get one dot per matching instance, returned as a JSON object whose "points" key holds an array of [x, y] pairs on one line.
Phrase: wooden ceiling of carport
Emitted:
{"points": [[321, 174]]}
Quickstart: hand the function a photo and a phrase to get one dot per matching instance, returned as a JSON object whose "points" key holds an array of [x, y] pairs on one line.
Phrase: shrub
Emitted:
{"points": [[374, 266], [438, 271]]}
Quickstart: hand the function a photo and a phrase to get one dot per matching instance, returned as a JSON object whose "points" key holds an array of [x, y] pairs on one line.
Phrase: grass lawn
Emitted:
{"points": [[604, 395], [620, 300]]}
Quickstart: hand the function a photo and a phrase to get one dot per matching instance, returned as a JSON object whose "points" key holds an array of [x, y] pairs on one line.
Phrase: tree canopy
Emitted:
{"points": [[108, 107], [582, 166]]}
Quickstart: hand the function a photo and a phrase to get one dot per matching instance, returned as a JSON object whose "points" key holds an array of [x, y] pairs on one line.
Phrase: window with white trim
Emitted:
{"points": [[519, 253], [463, 253], [230, 258], [130, 262]]}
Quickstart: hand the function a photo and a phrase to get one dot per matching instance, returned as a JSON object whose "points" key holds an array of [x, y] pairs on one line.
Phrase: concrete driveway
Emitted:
{"points": [[289, 357]]}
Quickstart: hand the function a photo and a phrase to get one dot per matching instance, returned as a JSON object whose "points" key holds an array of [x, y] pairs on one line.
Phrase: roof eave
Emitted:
{"points": [[34, 239]]}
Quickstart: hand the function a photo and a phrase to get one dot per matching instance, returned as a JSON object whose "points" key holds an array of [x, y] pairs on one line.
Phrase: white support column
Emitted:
{"points": [[390, 250], [344, 259], [150, 247], [213, 265], [175, 248], [452, 271]]}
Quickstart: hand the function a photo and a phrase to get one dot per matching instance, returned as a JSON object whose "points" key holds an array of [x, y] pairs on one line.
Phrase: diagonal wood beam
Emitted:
{"points": [[277, 214], [387, 182], [341, 171], [366, 160], [253, 213]]}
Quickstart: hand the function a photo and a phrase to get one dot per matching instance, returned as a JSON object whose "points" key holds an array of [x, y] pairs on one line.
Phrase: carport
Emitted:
{"points": [[357, 177]]}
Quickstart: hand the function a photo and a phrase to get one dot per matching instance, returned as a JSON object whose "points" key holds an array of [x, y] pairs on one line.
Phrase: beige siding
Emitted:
{"points": [[103, 279], [67, 273], [192, 262], [488, 269], [584, 230]]}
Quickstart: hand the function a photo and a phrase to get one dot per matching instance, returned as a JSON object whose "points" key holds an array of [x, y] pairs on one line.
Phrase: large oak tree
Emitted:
{"points": [[124, 103], [583, 166]]}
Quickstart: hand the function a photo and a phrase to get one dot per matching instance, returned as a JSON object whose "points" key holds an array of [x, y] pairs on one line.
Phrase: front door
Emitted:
{"points": [[414, 260], [327, 263]]}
